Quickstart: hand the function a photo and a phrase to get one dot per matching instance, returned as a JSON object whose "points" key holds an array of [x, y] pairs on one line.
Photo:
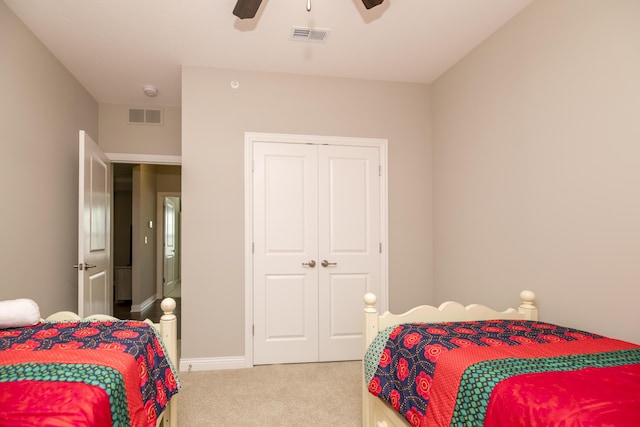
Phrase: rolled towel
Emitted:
{"points": [[19, 312]]}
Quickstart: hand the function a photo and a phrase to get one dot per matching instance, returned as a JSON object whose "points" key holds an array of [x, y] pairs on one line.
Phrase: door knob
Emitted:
{"points": [[326, 263], [84, 266], [311, 264]]}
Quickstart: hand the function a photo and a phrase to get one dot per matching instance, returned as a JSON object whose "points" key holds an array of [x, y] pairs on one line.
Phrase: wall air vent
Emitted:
{"points": [[317, 35], [145, 116]]}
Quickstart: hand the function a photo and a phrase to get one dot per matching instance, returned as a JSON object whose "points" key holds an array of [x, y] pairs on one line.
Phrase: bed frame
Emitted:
{"points": [[168, 329], [375, 411]]}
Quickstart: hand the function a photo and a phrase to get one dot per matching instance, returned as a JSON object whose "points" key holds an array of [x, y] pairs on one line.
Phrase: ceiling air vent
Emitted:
{"points": [[145, 116], [317, 35]]}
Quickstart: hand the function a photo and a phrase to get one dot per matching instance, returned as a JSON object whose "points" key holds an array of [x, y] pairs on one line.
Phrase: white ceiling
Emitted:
{"points": [[115, 47]]}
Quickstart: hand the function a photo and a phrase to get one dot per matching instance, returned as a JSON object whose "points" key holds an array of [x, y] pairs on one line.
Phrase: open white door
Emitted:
{"points": [[171, 244], [94, 219]]}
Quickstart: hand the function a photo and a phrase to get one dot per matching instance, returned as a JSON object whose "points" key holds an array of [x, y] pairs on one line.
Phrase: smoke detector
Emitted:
{"points": [[150, 91]]}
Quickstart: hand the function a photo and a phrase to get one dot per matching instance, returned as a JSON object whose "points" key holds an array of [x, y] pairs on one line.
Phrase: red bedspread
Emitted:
{"points": [[508, 373], [587, 397], [42, 403], [83, 374]]}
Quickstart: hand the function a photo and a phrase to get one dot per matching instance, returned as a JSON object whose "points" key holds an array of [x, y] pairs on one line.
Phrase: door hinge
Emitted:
{"points": [[380, 247], [253, 330], [379, 170]]}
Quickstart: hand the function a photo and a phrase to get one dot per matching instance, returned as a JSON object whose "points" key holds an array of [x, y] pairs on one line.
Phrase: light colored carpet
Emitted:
{"points": [[307, 394]]}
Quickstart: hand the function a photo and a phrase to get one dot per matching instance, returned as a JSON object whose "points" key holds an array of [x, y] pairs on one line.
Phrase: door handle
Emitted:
{"points": [[311, 264], [326, 263], [84, 266]]}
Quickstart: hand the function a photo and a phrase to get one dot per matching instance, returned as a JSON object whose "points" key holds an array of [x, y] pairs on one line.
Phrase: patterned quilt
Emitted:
{"points": [[505, 373], [112, 373]]}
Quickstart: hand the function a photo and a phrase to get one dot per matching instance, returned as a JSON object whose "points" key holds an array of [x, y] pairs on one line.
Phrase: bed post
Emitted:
{"points": [[370, 319], [527, 307], [370, 330], [169, 333]]}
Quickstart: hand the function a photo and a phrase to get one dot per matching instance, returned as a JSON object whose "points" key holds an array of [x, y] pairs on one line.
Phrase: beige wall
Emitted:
{"points": [[118, 136], [144, 238], [42, 108], [215, 117], [537, 166], [168, 178]]}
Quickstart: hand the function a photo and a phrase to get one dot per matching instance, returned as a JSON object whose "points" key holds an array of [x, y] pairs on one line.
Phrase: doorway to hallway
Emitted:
{"points": [[138, 236]]}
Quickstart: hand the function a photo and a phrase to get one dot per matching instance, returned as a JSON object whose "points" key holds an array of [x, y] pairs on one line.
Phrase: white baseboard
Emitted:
{"points": [[135, 308], [212, 363]]}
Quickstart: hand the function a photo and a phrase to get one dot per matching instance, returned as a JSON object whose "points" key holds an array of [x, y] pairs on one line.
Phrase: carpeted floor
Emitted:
{"points": [[307, 394]]}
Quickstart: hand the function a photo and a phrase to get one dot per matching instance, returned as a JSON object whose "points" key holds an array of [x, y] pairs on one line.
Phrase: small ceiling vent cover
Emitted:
{"points": [[317, 35], [145, 116]]}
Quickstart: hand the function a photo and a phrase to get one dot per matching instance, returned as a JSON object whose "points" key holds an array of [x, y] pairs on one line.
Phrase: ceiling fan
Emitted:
{"points": [[247, 9]]}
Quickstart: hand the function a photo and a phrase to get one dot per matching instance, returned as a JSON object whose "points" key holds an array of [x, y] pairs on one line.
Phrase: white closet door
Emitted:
{"points": [[285, 253], [349, 245], [316, 229]]}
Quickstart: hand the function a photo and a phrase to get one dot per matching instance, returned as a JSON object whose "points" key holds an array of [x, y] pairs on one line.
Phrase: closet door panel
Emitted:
{"points": [[349, 245], [285, 253]]}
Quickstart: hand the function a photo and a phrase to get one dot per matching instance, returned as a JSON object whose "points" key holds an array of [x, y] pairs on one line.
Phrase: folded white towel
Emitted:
{"points": [[19, 312]]}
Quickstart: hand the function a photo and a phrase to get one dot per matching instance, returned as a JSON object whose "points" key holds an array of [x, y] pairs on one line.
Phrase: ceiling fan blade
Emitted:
{"points": [[246, 8], [371, 3]]}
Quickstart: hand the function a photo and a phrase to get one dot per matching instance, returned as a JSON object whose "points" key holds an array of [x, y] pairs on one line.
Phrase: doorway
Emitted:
{"points": [[138, 237], [316, 228]]}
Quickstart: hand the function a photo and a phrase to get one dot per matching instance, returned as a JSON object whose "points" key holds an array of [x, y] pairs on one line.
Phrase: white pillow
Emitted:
{"points": [[19, 312]]}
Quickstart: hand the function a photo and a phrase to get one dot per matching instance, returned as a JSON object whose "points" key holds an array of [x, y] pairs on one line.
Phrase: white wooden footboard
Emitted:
{"points": [[375, 411], [168, 328]]}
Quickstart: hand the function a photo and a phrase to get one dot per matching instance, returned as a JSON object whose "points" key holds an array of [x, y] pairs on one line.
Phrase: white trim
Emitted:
{"points": [[248, 251], [253, 137], [212, 363], [313, 139], [149, 159], [384, 226], [135, 308]]}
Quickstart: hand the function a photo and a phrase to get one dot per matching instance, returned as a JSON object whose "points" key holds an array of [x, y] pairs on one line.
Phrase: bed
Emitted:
{"points": [[473, 366], [96, 372]]}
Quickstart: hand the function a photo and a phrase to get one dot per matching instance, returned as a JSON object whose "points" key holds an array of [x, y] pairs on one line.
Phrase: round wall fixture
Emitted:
{"points": [[235, 84], [150, 91]]}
